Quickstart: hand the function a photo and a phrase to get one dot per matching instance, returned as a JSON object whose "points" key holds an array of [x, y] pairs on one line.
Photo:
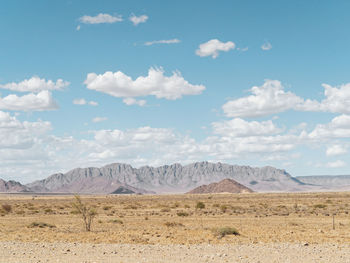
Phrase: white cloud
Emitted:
{"points": [[335, 150], [119, 85], [99, 119], [337, 99], [241, 128], [336, 164], [132, 101], [270, 98], [35, 84], [164, 41], [138, 19], [266, 46], [82, 101], [31, 102], [339, 127], [100, 19], [212, 48]]}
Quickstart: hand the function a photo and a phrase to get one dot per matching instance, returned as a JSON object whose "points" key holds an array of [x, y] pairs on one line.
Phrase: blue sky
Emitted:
{"points": [[173, 85]]}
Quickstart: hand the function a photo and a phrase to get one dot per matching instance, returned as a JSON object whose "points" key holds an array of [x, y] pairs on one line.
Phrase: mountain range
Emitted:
{"points": [[176, 178]]}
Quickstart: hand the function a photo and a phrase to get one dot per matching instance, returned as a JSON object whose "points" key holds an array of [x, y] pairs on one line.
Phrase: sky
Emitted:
{"points": [[259, 83]]}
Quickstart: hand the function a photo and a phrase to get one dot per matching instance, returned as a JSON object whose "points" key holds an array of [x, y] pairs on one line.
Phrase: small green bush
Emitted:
{"points": [[200, 205], [182, 214]]}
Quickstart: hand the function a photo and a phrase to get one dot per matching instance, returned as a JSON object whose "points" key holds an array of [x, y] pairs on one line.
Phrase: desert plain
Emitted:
{"points": [[274, 227]]}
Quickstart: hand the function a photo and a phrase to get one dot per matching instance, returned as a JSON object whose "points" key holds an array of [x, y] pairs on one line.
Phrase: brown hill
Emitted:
{"points": [[224, 186]]}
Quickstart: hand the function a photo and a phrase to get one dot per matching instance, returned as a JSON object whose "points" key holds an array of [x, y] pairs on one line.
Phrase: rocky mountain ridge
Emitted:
{"points": [[174, 178]]}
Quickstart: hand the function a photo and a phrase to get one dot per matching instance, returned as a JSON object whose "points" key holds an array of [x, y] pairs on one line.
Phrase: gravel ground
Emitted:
{"points": [[89, 253]]}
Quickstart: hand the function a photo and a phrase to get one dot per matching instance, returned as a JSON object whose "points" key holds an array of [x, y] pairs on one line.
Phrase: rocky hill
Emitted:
{"points": [[12, 187], [173, 178], [224, 186]]}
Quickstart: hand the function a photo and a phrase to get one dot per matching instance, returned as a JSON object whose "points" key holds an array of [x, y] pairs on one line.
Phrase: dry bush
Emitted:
{"points": [[41, 225], [87, 213], [116, 221], [172, 224], [224, 231], [7, 208]]}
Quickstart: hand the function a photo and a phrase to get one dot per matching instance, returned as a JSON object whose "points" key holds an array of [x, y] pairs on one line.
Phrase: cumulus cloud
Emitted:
{"points": [[266, 46], [31, 102], [339, 127], [35, 84], [119, 85], [82, 101], [99, 119], [213, 47], [100, 19], [270, 98], [132, 101], [164, 41], [138, 19], [335, 150]]}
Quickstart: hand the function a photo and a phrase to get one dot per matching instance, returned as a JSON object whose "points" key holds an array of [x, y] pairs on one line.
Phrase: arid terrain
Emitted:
{"points": [[31, 225]]}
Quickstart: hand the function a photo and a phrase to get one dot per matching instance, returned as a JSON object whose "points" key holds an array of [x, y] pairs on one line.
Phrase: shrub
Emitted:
{"points": [[224, 231], [223, 208], [41, 225], [116, 221], [87, 213], [48, 210], [200, 205], [163, 210], [7, 208], [320, 206], [182, 214], [107, 207], [172, 224]]}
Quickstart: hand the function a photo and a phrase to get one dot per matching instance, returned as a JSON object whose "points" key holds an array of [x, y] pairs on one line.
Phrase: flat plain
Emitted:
{"points": [[313, 223]]}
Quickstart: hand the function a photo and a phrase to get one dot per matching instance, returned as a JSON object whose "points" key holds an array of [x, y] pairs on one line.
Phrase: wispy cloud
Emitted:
{"points": [[164, 41], [84, 102], [100, 19], [266, 46], [99, 119]]}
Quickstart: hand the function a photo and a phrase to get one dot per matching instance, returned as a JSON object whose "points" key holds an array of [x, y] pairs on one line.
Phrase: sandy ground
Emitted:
{"points": [[89, 253], [308, 227]]}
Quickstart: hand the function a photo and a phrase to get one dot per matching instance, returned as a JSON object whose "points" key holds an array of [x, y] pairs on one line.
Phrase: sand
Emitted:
{"points": [[89, 253]]}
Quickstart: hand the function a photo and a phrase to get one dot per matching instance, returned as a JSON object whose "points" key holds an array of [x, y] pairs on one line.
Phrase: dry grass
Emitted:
{"points": [[175, 219]]}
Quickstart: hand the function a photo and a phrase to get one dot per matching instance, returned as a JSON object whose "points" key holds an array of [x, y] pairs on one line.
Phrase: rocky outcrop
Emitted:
{"points": [[224, 186]]}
